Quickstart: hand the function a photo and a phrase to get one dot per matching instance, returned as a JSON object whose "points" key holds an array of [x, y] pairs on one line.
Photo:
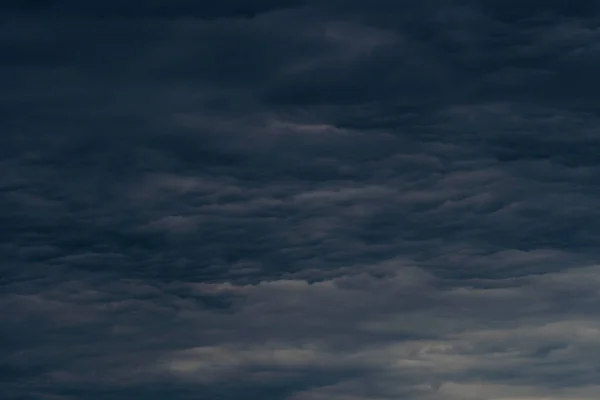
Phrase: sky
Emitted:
{"points": [[299, 200]]}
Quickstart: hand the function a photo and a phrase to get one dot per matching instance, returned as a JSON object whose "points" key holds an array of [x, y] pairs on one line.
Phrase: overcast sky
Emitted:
{"points": [[299, 200]]}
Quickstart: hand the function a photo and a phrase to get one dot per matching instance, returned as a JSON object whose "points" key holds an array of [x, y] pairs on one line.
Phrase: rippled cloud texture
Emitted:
{"points": [[300, 200]]}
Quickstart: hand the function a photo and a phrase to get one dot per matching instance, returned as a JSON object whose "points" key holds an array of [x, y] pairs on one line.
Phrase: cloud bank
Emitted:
{"points": [[299, 200]]}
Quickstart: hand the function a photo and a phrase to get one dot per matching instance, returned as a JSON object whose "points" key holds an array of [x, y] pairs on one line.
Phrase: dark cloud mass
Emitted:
{"points": [[151, 8], [299, 200]]}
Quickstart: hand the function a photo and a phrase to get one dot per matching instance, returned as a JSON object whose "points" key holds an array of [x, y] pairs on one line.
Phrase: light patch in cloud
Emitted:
{"points": [[509, 339]]}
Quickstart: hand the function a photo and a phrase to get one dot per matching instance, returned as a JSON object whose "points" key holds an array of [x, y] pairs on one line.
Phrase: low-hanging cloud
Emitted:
{"points": [[299, 200]]}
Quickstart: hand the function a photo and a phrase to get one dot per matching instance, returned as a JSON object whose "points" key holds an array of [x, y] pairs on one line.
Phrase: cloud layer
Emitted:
{"points": [[299, 200]]}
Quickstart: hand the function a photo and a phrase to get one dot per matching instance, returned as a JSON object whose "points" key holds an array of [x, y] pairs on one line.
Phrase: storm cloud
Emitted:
{"points": [[300, 200]]}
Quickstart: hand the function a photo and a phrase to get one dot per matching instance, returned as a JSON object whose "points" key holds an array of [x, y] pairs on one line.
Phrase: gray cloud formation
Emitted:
{"points": [[299, 200]]}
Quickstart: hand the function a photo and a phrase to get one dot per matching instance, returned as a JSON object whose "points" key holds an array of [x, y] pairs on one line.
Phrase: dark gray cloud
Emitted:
{"points": [[299, 200], [156, 9]]}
